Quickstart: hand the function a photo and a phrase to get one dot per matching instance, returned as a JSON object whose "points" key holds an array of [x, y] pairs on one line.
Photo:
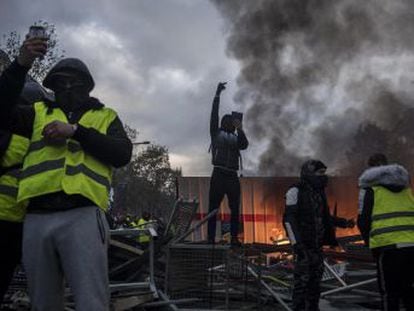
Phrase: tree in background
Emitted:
{"points": [[367, 141], [11, 44], [147, 183], [396, 143]]}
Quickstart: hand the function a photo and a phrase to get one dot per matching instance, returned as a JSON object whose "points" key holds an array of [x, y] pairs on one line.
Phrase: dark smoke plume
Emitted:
{"points": [[324, 79]]}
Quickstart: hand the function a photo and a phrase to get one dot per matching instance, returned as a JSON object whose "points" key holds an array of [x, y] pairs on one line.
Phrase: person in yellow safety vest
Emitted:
{"points": [[75, 141], [129, 222], [144, 223], [11, 212], [386, 222], [12, 151]]}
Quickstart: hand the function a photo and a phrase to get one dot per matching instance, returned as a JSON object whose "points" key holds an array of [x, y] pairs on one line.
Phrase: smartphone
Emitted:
{"points": [[237, 115], [37, 32]]}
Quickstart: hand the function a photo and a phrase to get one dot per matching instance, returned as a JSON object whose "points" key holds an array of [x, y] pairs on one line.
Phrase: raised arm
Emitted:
{"points": [[11, 84], [214, 118]]}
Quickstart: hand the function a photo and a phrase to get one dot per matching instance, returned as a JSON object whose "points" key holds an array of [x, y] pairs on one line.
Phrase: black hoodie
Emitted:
{"points": [[225, 145], [32, 92], [394, 177], [114, 148]]}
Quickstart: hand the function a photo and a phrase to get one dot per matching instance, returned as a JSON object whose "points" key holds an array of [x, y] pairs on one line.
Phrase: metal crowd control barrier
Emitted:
{"points": [[148, 285], [344, 286], [180, 220]]}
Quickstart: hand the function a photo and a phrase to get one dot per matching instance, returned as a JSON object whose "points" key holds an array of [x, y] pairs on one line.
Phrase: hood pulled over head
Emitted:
{"points": [[309, 174], [71, 82], [69, 65], [393, 175]]}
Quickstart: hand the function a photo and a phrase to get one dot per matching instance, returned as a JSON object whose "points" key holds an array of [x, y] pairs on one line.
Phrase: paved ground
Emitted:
{"points": [[324, 306], [342, 305]]}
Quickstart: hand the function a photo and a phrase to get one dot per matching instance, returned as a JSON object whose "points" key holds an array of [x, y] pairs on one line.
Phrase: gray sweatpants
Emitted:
{"points": [[71, 244]]}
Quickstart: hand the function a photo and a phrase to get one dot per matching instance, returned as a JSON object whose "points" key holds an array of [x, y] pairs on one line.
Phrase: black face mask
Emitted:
{"points": [[316, 181], [69, 99]]}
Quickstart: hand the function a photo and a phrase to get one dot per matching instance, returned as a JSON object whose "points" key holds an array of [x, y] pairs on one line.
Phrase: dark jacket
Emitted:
{"points": [[32, 92], [307, 219], [393, 177], [225, 146], [113, 148]]}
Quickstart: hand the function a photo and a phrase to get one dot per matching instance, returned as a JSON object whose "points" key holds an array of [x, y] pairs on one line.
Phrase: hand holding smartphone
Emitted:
{"points": [[37, 32], [35, 46]]}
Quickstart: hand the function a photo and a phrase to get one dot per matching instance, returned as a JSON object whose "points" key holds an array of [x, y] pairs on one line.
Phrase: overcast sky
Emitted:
{"points": [[155, 62]]}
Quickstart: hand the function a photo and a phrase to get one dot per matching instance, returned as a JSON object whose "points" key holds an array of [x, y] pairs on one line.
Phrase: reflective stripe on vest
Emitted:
{"points": [[392, 218], [10, 191], [65, 166], [72, 146], [10, 209]]}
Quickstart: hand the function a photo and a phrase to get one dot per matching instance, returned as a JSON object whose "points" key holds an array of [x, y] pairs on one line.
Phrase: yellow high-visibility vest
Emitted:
{"points": [[10, 209], [392, 218], [142, 224], [66, 167]]}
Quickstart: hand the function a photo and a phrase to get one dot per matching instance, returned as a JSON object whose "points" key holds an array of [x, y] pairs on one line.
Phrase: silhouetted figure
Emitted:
{"points": [[226, 143], [309, 225]]}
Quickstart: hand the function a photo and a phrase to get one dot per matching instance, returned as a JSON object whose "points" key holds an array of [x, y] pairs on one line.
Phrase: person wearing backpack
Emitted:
{"points": [[226, 142]]}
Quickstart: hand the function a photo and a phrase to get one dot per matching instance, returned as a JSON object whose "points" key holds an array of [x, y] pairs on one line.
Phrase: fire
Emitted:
{"points": [[262, 205]]}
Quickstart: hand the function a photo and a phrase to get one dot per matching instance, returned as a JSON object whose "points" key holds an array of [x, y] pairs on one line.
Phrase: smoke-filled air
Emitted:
{"points": [[324, 79]]}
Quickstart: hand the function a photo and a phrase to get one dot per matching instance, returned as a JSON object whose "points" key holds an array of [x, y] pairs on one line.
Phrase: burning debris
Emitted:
{"points": [[262, 205], [189, 275]]}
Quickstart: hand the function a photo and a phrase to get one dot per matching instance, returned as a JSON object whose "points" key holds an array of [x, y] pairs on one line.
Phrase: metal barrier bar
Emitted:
{"points": [[347, 287], [197, 225], [139, 285], [133, 232], [271, 291], [170, 304], [334, 273], [164, 303]]}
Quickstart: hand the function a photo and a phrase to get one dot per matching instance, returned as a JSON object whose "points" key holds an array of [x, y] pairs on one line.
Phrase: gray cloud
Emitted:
{"points": [[155, 62], [316, 74]]}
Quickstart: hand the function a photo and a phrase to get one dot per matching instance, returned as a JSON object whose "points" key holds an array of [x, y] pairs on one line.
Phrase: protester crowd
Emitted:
{"points": [[57, 154]]}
